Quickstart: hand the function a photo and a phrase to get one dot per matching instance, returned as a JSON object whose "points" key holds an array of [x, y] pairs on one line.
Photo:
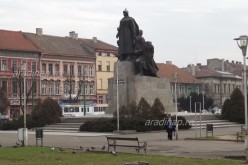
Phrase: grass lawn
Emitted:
{"points": [[45, 156]]}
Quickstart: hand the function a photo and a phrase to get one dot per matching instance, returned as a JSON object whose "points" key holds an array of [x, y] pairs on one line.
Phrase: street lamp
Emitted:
{"points": [[242, 43], [24, 69], [175, 94], [195, 119]]}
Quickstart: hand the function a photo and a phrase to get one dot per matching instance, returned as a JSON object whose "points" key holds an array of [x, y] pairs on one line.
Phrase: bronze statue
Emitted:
{"points": [[127, 33], [133, 47]]}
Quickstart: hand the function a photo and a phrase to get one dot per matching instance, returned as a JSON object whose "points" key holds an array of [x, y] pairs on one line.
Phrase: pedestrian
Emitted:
{"points": [[170, 127]]}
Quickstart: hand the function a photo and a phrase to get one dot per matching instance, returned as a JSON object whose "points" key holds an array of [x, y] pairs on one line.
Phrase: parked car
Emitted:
{"points": [[3, 119], [216, 111]]}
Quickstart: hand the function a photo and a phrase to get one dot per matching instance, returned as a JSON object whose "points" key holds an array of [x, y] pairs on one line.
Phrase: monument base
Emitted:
{"points": [[133, 87]]}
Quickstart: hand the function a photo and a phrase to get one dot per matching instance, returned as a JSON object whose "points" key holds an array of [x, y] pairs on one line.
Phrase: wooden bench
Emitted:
{"points": [[241, 134], [135, 143]]}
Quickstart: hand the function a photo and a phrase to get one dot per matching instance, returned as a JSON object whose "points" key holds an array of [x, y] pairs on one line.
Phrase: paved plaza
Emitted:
{"points": [[157, 142]]}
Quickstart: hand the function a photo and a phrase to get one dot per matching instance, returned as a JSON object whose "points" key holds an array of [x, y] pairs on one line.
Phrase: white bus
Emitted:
{"points": [[77, 110]]}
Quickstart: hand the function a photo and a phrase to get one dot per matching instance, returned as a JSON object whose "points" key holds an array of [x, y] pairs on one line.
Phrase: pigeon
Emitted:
{"points": [[113, 153], [74, 151], [18, 144], [52, 148], [61, 149], [87, 149], [103, 148]]}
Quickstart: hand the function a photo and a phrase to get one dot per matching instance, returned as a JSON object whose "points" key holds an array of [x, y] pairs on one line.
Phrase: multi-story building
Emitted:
{"points": [[67, 69], [15, 50], [105, 59], [185, 82], [218, 83]]}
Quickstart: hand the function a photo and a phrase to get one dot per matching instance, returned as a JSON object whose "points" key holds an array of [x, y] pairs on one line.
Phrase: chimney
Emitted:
{"points": [[227, 61], [39, 31], [73, 35], [169, 62], [198, 64], [232, 61], [237, 62], [193, 69], [95, 39], [222, 65]]}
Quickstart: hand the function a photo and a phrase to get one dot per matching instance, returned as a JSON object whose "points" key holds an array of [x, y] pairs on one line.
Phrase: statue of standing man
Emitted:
{"points": [[127, 33]]}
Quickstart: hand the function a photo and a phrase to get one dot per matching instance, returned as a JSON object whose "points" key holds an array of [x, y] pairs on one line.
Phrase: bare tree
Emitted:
{"points": [[4, 102], [70, 80], [19, 77]]}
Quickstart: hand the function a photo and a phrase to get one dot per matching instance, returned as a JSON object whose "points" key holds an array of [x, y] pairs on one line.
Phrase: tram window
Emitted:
{"points": [[87, 109], [82, 109], [71, 109], [76, 109], [65, 109]]}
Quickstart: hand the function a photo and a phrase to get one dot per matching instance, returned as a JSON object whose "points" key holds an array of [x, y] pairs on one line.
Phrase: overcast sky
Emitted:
{"points": [[182, 31]]}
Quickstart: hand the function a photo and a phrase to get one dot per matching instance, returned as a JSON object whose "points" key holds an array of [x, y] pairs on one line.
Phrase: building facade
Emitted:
{"points": [[67, 70], [218, 84], [105, 60], [16, 50]]}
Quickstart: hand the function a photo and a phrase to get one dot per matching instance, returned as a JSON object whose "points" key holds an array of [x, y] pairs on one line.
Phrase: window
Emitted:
{"points": [[4, 65], [73, 87], [86, 89], [57, 86], [34, 88], [92, 89], [99, 65], [91, 73], [100, 53], [50, 69], [65, 69], [50, 89], [57, 70], [5, 85], [79, 70], [44, 69], [85, 70], [14, 88], [108, 66], [66, 88], [33, 66], [14, 66], [43, 88], [108, 54], [72, 70], [100, 100]]}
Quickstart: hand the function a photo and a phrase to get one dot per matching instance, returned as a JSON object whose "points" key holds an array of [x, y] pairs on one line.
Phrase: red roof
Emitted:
{"points": [[15, 41], [167, 70], [98, 44]]}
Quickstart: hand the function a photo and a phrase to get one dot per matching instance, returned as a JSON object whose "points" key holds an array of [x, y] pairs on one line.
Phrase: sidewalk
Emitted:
{"points": [[157, 142]]}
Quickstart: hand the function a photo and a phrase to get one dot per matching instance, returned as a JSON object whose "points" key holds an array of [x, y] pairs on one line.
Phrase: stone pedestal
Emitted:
{"points": [[133, 87]]}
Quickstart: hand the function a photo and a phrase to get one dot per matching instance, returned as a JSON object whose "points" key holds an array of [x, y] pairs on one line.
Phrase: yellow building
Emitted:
{"points": [[105, 59]]}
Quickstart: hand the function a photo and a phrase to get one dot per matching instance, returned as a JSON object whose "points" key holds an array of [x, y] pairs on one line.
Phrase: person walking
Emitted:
{"points": [[170, 127]]}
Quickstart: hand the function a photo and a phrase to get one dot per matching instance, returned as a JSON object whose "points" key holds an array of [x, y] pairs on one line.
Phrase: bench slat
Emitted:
{"points": [[122, 138]]}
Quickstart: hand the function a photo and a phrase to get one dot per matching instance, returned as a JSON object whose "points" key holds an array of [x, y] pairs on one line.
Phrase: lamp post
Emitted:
{"points": [[242, 43], [195, 119], [84, 91], [24, 69], [190, 103], [175, 94]]}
